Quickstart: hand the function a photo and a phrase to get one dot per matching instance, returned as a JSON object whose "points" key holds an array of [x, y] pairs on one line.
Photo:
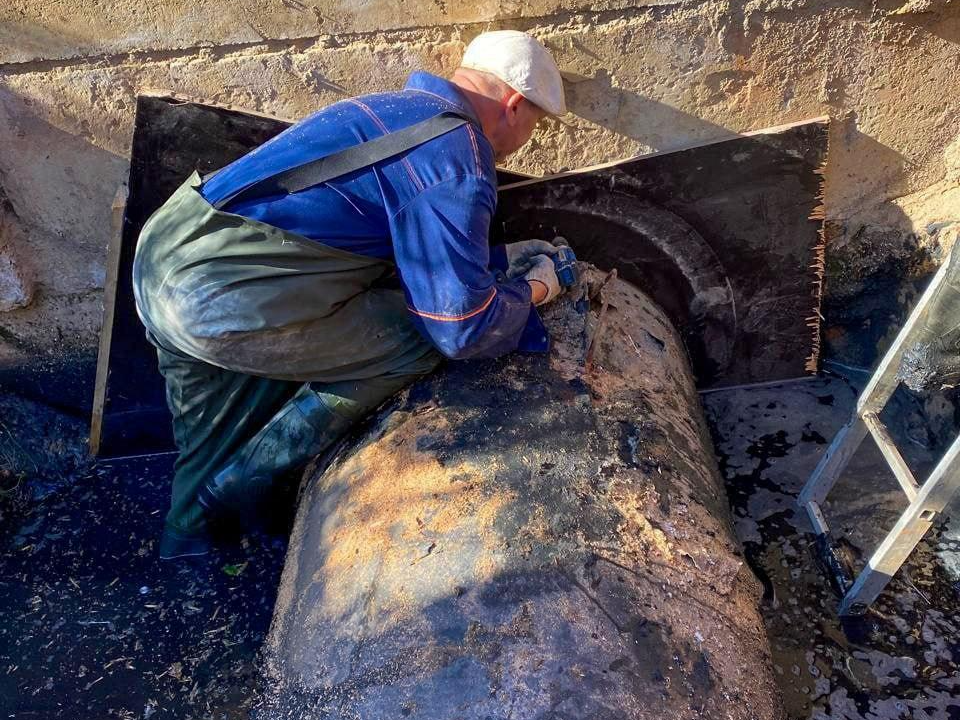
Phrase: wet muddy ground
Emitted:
{"points": [[93, 626], [900, 661]]}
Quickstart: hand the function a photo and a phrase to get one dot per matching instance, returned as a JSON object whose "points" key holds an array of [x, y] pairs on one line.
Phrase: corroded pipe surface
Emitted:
{"points": [[536, 537]]}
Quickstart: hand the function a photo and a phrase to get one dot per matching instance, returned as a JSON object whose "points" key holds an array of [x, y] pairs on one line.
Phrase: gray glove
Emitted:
{"points": [[542, 271], [520, 254]]}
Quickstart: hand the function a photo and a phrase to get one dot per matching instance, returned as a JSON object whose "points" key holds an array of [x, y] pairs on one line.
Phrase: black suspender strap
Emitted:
{"points": [[348, 160]]}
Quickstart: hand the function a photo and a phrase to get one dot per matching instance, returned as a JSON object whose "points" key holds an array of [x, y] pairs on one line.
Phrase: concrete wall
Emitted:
{"points": [[642, 77]]}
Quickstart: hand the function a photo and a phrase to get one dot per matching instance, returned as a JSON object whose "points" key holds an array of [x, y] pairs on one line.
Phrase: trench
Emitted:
{"points": [[93, 622]]}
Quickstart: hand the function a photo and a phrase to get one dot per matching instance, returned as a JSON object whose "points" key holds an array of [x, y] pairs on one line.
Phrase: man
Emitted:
{"points": [[308, 281]]}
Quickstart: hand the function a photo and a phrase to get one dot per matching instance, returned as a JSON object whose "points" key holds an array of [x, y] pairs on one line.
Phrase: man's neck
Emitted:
{"points": [[481, 96]]}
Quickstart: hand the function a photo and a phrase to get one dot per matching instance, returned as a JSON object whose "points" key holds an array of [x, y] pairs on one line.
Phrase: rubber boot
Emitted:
{"points": [[303, 428], [175, 544]]}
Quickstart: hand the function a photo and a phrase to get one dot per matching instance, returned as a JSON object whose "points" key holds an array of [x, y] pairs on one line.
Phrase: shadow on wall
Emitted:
{"points": [[936, 17], [16, 278], [876, 266], [863, 172], [60, 188], [25, 44], [22, 43], [629, 114]]}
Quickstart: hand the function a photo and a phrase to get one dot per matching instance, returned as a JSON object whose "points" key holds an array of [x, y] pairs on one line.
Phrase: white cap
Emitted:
{"points": [[523, 63]]}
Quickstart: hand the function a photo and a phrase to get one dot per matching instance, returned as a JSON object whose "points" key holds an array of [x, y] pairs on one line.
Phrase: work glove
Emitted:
{"points": [[542, 271], [520, 255]]}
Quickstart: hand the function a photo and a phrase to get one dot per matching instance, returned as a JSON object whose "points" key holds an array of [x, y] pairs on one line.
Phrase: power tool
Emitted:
{"points": [[565, 265]]}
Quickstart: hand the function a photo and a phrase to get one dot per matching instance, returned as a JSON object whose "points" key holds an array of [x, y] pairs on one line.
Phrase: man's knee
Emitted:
{"points": [[356, 398]]}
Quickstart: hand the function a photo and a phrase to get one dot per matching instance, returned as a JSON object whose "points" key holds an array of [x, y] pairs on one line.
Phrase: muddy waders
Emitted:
{"points": [[271, 344]]}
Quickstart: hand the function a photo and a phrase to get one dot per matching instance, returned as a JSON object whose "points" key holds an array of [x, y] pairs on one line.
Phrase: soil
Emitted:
{"points": [[94, 626], [900, 660]]}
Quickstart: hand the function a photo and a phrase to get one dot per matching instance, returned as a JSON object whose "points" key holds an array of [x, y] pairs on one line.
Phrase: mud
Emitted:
{"points": [[93, 625], [900, 661]]}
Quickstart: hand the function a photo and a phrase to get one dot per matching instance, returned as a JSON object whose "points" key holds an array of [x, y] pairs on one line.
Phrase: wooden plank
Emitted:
{"points": [[106, 328]]}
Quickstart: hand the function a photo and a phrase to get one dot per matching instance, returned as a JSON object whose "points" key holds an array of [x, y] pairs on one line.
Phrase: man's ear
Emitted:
{"points": [[514, 101]]}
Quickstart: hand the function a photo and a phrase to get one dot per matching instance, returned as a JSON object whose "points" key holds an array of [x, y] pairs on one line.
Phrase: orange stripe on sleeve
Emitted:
{"points": [[455, 318]]}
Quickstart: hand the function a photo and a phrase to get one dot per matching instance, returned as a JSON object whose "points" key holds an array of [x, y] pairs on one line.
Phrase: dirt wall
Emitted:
{"points": [[641, 77]]}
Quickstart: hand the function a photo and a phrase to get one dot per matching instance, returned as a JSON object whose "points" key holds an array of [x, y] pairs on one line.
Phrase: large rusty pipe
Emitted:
{"points": [[536, 537]]}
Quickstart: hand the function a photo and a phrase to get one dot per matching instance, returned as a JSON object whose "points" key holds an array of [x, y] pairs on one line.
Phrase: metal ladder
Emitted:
{"points": [[926, 500]]}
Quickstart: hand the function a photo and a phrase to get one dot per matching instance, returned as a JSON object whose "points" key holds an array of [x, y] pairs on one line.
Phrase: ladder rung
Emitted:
{"points": [[893, 457], [925, 501], [833, 462]]}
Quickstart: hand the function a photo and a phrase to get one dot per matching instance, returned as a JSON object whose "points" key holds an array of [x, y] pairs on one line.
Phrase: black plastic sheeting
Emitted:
{"points": [[725, 237]]}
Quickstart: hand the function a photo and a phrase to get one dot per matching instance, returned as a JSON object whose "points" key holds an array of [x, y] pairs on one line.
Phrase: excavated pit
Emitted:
{"points": [[540, 536]]}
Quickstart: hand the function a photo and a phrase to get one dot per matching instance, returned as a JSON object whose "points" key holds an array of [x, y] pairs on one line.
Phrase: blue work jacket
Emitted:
{"points": [[428, 210]]}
